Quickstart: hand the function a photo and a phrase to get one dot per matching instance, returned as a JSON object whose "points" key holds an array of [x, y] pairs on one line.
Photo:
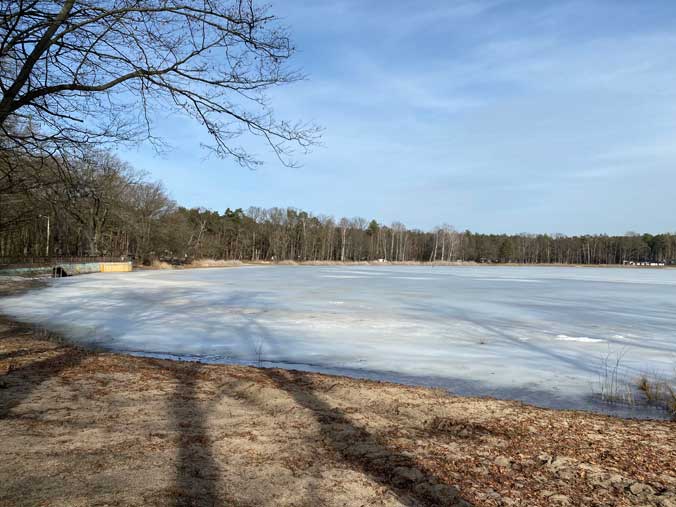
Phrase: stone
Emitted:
{"points": [[440, 493], [503, 461], [491, 493], [639, 488], [544, 458], [408, 474], [617, 481], [599, 481], [560, 463], [559, 499], [565, 473], [667, 502]]}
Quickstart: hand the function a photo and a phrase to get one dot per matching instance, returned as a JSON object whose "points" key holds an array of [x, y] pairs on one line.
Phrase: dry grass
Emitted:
{"points": [[649, 389], [612, 384], [157, 264], [213, 263], [616, 386], [658, 392], [198, 263]]}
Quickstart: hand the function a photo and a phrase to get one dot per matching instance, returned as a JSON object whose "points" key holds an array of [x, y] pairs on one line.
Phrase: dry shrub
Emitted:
{"points": [[671, 402], [214, 263], [650, 389], [658, 392], [157, 264], [612, 386]]}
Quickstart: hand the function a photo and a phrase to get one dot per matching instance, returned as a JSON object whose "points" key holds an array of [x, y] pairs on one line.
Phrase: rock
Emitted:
{"points": [[503, 461], [364, 449], [618, 482], [544, 458], [441, 494], [598, 480], [377, 454], [565, 473], [638, 488], [404, 474], [560, 463], [491, 493], [667, 502], [559, 499], [562, 467], [669, 480]]}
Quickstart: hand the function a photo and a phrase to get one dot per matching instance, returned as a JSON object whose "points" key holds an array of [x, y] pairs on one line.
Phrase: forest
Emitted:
{"points": [[103, 207]]}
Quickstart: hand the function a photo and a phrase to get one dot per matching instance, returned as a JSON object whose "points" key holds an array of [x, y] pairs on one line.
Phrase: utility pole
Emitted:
{"points": [[48, 235]]}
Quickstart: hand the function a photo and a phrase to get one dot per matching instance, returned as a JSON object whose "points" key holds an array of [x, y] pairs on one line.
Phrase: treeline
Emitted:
{"points": [[104, 207]]}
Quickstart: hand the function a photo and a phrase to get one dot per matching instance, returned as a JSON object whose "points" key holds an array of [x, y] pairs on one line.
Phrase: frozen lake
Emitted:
{"points": [[530, 333]]}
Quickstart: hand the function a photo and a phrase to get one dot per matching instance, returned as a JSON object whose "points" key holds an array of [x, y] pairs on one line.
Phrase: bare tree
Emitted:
{"points": [[344, 226], [147, 203], [398, 233], [98, 188], [78, 72]]}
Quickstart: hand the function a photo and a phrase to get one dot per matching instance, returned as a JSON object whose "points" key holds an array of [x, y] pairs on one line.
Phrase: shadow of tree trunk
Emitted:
{"points": [[19, 384], [413, 484], [197, 472], [15, 354]]}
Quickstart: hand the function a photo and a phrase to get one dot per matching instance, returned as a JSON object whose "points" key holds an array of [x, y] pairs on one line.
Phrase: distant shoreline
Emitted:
{"points": [[212, 263]]}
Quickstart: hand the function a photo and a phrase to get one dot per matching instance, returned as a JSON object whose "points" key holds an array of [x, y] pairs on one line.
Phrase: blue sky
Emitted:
{"points": [[495, 116]]}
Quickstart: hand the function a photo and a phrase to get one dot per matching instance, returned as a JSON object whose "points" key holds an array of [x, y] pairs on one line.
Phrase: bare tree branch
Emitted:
{"points": [[94, 71]]}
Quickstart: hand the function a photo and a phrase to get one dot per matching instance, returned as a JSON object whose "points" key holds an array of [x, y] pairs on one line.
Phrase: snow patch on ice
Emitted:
{"points": [[507, 279], [342, 276], [580, 339], [411, 278]]}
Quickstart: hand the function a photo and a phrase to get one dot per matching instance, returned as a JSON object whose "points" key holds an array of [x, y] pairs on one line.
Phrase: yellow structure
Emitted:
{"points": [[115, 267]]}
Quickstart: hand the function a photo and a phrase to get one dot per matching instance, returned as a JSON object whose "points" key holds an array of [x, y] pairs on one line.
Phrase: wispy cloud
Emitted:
{"points": [[469, 112]]}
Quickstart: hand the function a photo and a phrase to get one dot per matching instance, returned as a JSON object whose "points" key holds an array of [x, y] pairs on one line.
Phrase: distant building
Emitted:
{"points": [[645, 263]]}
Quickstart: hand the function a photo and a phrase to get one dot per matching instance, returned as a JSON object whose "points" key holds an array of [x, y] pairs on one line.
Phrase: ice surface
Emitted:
{"points": [[529, 333]]}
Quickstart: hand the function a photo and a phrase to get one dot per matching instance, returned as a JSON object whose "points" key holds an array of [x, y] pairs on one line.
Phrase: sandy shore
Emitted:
{"points": [[81, 428]]}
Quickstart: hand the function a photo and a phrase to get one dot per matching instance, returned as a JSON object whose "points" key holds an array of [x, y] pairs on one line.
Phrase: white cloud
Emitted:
{"points": [[477, 107]]}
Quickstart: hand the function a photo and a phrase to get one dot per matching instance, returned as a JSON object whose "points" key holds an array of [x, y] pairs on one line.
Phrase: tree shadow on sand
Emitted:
{"points": [[19, 383], [412, 483], [197, 471]]}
